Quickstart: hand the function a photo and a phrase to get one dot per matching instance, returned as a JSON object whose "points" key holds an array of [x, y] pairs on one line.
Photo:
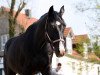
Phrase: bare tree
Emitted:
{"points": [[13, 17], [92, 6]]}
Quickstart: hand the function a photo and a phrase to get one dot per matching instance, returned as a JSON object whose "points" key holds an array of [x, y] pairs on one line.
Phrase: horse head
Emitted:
{"points": [[55, 26]]}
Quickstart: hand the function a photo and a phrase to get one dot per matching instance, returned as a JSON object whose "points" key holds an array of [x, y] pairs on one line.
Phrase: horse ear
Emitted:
{"points": [[62, 10], [50, 13]]}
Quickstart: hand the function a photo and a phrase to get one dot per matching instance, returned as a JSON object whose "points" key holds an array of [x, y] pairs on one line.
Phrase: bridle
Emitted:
{"points": [[49, 39], [51, 42]]}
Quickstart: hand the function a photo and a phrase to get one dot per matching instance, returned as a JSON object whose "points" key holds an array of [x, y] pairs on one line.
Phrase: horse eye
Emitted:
{"points": [[58, 23]]}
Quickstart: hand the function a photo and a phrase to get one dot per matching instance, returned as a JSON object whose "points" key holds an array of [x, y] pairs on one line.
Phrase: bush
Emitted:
{"points": [[79, 48], [96, 49], [97, 52]]}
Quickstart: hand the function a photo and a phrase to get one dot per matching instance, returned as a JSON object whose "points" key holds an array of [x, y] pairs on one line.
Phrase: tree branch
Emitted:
{"points": [[12, 7], [21, 6]]}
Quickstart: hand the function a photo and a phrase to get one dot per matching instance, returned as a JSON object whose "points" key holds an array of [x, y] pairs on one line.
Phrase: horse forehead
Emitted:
{"points": [[59, 18]]}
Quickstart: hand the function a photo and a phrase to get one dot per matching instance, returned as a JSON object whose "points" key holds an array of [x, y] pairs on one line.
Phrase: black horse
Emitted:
{"points": [[29, 53]]}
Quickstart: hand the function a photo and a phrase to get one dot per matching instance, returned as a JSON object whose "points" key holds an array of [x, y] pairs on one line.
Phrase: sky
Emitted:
{"points": [[73, 18]]}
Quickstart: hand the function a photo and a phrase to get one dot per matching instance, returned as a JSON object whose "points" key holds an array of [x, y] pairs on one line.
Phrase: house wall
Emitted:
{"points": [[69, 44], [1, 67], [3, 31], [3, 28], [3, 25]]}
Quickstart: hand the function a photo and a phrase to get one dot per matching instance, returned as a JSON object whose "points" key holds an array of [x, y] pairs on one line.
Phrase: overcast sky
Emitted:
{"points": [[73, 18]]}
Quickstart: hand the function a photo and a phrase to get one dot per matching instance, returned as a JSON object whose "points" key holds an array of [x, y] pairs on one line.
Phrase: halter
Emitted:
{"points": [[58, 40], [50, 40]]}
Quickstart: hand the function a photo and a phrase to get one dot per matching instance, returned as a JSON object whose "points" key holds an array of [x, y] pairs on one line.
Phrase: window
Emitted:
{"points": [[4, 39]]}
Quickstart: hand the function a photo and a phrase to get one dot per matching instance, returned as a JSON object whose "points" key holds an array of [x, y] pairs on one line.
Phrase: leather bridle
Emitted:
{"points": [[51, 42], [49, 39]]}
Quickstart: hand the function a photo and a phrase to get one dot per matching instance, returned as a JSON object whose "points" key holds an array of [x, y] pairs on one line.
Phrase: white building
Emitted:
{"points": [[68, 33]]}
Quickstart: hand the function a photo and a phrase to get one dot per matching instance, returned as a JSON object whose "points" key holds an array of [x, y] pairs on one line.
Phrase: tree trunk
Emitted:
{"points": [[12, 17], [11, 28]]}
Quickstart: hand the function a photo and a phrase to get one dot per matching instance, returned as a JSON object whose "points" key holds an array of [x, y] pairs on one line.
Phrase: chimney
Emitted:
{"points": [[28, 13], [2, 9]]}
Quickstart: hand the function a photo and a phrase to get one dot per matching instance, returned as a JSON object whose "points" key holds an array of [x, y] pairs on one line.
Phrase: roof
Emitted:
{"points": [[67, 31], [22, 19], [25, 21], [80, 38]]}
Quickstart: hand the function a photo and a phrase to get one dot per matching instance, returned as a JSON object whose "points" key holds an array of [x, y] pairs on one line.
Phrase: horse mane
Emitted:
{"points": [[38, 23], [38, 30]]}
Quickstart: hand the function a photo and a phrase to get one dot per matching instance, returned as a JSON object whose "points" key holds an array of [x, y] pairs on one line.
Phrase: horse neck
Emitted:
{"points": [[40, 33], [36, 32]]}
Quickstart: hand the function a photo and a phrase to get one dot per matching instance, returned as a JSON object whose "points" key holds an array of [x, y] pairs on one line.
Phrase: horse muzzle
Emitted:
{"points": [[61, 48], [62, 52]]}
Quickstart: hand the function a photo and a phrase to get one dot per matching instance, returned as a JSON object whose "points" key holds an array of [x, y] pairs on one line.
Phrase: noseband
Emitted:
{"points": [[52, 42], [58, 40]]}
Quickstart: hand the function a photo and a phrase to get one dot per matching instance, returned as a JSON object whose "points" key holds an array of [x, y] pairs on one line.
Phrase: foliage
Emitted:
{"points": [[79, 45], [96, 49], [79, 48], [94, 6], [98, 6]]}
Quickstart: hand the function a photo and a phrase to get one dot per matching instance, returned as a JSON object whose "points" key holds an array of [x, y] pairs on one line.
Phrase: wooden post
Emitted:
{"points": [[85, 51], [98, 70]]}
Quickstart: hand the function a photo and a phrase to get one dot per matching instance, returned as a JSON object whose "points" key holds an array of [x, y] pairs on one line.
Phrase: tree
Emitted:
{"points": [[79, 48], [91, 7], [13, 17], [96, 48]]}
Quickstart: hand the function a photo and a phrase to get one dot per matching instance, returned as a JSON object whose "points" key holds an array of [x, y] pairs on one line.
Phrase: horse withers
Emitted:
{"points": [[30, 52]]}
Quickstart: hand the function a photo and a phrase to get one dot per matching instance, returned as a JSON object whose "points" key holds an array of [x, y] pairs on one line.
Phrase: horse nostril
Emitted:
{"points": [[62, 52]]}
